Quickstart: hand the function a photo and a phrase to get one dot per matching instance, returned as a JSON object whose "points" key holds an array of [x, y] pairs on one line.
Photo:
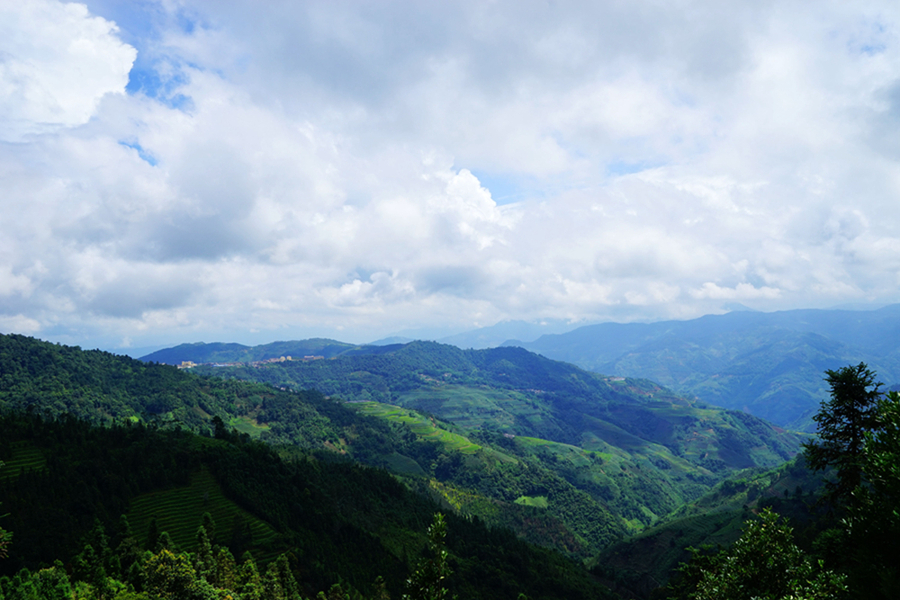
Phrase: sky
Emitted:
{"points": [[196, 170]]}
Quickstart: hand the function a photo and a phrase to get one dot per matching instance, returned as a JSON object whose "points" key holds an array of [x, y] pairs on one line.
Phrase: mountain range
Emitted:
{"points": [[565, 457], [768, 364]]}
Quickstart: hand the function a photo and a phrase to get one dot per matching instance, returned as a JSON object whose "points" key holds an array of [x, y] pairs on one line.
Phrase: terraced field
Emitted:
{"points": [[421, 425], [25, 456], [179, 512], [471, 407]]}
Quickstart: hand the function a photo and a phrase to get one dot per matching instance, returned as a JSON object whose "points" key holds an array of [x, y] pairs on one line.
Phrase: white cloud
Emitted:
{"points": [[56, 62], [311, 167]]}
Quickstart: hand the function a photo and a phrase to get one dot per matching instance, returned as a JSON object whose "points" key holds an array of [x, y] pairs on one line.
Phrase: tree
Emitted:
{"points": [[204, 561], [763, 563], [5, 539], [170, 575], [843, 422], [250, 587], [428, 580], [873, 518]]}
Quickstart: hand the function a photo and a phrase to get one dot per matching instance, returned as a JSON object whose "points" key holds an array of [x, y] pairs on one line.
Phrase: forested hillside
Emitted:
{"points": [[513, 446], [637, 564], [564, 457], [228, 353], [768, 364], [109, 502], [635, 450]]}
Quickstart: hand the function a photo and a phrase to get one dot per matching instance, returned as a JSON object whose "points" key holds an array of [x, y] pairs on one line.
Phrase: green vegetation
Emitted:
{"points": [[335, 523], [522, 449], [843, 423], [763, 563], [428, 580], [610, 457], [176, 510], [850, 533], [639, 563], [631, 449], [230, 353]]}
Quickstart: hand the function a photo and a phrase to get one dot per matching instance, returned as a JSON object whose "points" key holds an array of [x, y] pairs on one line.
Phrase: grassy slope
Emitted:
{"points": [[179, 510]]}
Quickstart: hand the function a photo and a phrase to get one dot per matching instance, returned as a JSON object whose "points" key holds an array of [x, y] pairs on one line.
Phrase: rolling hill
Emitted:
{"points": [[335, 521], [767, 364], [636, 450], [564, 457]]}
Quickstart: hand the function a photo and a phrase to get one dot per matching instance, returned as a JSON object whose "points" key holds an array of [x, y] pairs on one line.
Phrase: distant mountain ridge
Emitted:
{"points": [[200, 352], [496, 335], [768, 364]]}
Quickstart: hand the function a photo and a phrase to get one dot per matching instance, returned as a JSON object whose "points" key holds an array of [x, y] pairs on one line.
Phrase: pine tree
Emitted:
{"points": [[170, 575], [271, 585], [428, 580], [204, 561], [5, 536], [226, 570], [843, 422], [250, 582]]}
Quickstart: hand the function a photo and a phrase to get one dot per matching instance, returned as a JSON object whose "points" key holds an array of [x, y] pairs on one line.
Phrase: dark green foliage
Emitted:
{"points": [[874, 520], [538, 397], [664, 449], [660, 449], [843, 422], [204, 561], [429, 579], [634, 447], [45, 584], [763, 563], [341, 521], [5, 540], [103, 388], [171, 576], [854, 544]]}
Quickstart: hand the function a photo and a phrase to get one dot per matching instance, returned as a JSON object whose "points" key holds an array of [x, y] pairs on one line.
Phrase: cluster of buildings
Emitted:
{"points": [[188, 364]]}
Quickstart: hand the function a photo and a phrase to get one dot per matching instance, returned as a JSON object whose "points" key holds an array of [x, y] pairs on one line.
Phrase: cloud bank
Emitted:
{"points": [[189, 170]]}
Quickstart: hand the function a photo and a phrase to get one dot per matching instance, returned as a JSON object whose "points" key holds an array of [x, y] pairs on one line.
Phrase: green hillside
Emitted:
{"points": [[513, 391], [104, 388], [637, 450], [337, 521], [767, 364], [230, 353], [563, 457], [638, 564]]}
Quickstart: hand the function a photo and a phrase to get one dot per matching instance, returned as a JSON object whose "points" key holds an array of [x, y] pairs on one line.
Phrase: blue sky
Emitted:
{"points": [[190, 170]]}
